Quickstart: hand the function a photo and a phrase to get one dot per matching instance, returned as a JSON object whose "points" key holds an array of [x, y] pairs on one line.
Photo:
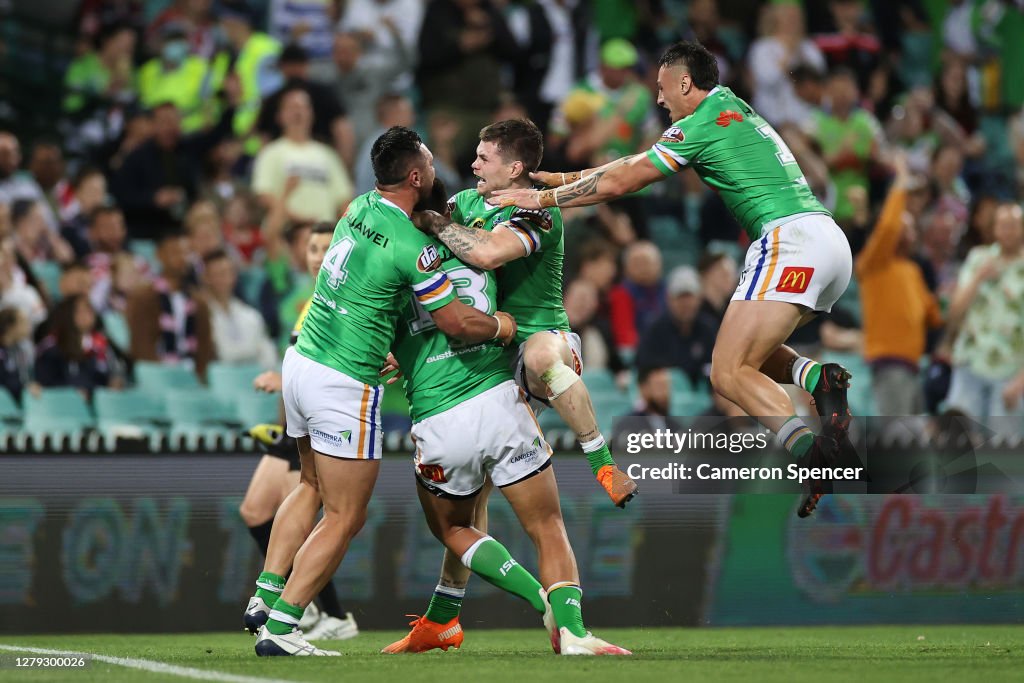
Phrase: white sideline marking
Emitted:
{"points": [[148, 665]]}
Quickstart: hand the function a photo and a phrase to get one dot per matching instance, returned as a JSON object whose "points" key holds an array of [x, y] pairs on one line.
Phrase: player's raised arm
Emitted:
{"points": [[515, 238], [611, 181], [466, 323]]}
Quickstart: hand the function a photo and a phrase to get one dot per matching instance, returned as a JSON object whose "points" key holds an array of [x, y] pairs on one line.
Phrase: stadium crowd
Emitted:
{"points": [[166, 218]]}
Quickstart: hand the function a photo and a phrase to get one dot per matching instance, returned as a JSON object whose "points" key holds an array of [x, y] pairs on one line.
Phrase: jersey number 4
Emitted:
{"points": [[783, 154], [335, 259]]}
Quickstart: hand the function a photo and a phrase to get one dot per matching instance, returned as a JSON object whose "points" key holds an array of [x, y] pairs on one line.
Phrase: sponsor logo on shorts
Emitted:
{"points": [[429, 259], [794, 280], [528, 455], [673, 134], [726, 117], [434, 473], [342, 437]]}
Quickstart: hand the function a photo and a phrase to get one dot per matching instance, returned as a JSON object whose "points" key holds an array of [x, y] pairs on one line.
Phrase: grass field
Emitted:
{"points": [[876, 654]]}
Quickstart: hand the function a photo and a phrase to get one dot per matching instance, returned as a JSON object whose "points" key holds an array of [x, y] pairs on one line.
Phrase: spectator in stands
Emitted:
{"points": [[321, 188], [75, 353], [101, 79], [304, 23], [16, 353], [239, 333], [168, 323], [181, 77], [361, 83], [463, 47], [919, 127], [718, 280], [386, 29], [781, 49], [898, 308], [89, 192], [46, 166], [987, 313], [204, 226], [75, 279], [15, 184], [582, 305], [33, 239], [850, 45], [625, 109], [330, 121], [94, 15], [951, 190], [938, 253], [680, 337], [654, 387], [598, 264], [16, 290], [392, 110], [106, 249], [703, 24], [254, 66], [849, 138], [640, 297], [241, 228], [161, 176], [196, 17]]}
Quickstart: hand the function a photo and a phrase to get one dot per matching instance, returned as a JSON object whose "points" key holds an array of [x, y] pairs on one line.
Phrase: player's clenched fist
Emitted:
{"points": [[507, 328]]}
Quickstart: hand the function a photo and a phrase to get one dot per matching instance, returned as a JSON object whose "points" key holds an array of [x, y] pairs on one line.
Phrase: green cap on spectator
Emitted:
{"points": [[618, 53]]}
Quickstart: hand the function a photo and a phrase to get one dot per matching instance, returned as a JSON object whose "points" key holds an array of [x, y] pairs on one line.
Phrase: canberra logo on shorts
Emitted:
{"points": [[429, 259], [346, 435], [794, 280], [673, 134]]}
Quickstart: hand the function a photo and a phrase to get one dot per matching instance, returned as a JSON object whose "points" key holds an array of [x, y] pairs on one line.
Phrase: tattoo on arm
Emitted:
{"points": [[586, 187], [462, 240]]}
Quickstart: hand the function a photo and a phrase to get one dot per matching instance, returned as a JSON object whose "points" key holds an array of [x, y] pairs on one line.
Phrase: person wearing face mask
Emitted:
{"points": [[176, 75]]}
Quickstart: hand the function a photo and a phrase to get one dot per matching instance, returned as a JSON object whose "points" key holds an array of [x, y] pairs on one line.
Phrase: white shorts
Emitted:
{"points": [[541, 403], [494, 433], [806, 260], [340, 415]]}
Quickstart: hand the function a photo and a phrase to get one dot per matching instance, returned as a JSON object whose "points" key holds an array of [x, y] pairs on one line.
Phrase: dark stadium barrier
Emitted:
{"points": [[154, 543]]}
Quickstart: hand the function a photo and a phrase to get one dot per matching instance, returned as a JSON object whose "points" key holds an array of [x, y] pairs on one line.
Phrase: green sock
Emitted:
{"points": [[285, 618], [806, 373], [597, 454], [269, 587], [491, 560], [567, 606], [445, 605], [795, 437]]}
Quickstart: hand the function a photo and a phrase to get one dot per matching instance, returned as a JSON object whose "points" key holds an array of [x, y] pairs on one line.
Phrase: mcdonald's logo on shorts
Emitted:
{"points": [[794, 280], [434, 473]]}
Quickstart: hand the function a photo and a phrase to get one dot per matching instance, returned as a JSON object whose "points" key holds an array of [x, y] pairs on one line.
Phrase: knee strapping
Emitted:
{"points": [[559, 378]]}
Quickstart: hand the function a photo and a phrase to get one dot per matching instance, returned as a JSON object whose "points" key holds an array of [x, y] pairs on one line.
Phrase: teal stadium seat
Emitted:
{"points": [[198, 411], [255, 407], [57, 411], [228, 380], [48, 273], [157, 377], [117, 330], [10, 413], [131, 412]]}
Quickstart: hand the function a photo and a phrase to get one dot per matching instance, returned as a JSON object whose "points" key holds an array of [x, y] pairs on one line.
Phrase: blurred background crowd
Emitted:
{"points": [[162, 164]]}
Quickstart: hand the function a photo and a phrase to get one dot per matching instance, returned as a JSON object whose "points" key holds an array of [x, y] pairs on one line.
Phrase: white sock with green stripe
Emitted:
{"points": [[795, 437], [806, 373]]}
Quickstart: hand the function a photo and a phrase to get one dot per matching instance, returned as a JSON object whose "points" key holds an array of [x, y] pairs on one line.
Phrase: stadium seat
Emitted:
{"points": [[10, 413], [253, 407], [600, 381], [48, 273], [131, 412], [250, 281], [228, 380], [157, 377], [117, 330], [57, 410], [199, 411]]}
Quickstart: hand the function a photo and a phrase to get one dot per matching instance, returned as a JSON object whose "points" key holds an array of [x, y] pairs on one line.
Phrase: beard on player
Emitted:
{"points": [[435, 199]]}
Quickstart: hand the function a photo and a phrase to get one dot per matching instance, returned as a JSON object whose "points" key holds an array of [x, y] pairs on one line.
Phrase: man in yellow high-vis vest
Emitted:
{"points": [[253, 63], [186, 80]]}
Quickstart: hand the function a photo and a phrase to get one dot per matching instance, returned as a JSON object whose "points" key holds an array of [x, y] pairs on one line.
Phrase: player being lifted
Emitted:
{"points": [[528, 246], [798, 263], [376, 260], [472, 422]]}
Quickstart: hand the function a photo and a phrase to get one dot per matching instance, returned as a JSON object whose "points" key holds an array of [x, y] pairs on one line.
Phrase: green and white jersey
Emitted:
{"points": [[376, 261], [441, 372], [529, 288], [740, 155]]}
